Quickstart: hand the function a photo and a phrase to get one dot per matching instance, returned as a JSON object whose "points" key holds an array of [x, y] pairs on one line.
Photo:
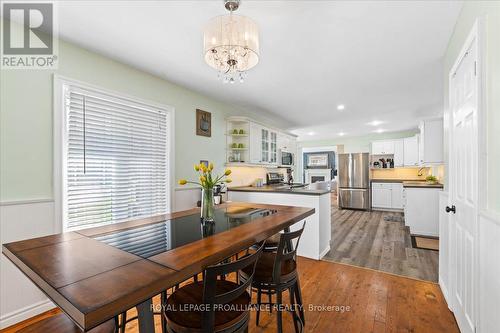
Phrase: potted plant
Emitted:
{"points": [[431, 179], [207, 182]]}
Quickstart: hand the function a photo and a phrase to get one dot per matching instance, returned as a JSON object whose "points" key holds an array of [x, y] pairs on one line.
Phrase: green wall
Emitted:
{"points": [[26, 118], [490, 10], [357, 144]]}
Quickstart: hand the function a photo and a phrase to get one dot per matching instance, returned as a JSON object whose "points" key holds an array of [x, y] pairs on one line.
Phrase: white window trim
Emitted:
{"points": [[60, 148]]}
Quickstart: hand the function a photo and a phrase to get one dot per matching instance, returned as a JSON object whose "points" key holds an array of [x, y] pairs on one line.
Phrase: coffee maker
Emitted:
{"points": [[217, 194]]}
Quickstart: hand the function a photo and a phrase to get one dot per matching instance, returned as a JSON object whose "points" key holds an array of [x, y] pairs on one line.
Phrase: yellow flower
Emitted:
{"points": [[228, 180], [203, 167], [182, 182], [202, 179], [196, 167], [227, 172], [210, 166]]}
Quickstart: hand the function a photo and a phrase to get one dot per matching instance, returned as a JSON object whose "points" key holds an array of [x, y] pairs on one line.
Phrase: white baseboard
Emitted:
{"points": [[324, 252], [444, 290], [17, 316]]}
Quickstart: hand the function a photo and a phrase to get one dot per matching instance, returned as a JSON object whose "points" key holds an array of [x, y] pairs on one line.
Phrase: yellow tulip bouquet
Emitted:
{"points": [[207, 181]]}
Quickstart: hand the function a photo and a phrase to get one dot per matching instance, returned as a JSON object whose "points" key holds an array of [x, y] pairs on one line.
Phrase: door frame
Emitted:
{"points": [[477, 32]]}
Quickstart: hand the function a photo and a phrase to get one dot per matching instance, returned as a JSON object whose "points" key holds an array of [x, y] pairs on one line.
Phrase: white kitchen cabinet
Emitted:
{"points": [[421, 210], [273, 151], [387, 195], [431, 142], [382, 147], [255, 143], [265, 145], [411, 151], [397, 196], [399, 153], [381, 195], [261, 144]]}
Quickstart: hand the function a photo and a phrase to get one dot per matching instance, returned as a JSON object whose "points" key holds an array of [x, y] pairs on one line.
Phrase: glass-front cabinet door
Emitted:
{"points": [[265, 145], [274, 148]]}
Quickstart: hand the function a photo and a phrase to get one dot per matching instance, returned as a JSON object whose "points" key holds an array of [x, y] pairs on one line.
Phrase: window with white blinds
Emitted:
{"points": [[115, 159]]}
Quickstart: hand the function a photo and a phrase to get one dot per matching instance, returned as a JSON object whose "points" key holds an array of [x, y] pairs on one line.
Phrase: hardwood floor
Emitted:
{"points": [[365, 239], [372, 302]]}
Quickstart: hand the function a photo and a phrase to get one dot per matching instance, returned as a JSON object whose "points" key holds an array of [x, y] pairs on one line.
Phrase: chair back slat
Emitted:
{"points": [[286, 251], [210, 296]]}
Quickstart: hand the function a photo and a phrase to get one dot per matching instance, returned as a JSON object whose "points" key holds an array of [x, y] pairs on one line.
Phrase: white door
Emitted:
{"points": [[463, 167]]}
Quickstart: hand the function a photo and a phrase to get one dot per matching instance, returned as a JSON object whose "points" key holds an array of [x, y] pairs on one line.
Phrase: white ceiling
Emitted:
{"points": [[381, 59]]}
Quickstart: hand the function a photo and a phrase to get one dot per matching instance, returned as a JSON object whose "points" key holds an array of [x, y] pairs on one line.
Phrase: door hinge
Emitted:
{"points": [[475, 68]]}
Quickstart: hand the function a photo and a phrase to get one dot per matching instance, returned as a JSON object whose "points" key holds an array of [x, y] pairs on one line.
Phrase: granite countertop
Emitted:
{"points": [[416, 183], [308, 190]]}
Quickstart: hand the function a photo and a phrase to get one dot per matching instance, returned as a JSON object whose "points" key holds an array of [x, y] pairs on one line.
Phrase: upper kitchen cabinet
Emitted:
{"points": [[411, 151], [286, 143], [399, 153], [431, 142], [385, 147], [262, 146], [255, 143]]}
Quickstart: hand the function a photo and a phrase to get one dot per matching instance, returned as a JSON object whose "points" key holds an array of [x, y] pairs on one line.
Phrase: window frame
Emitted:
{"points": [[60, 148]]}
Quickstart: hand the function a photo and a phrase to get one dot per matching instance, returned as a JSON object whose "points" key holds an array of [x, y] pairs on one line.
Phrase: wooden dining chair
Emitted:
{"points": [[60, 323], [276, 272], [214, 304]]}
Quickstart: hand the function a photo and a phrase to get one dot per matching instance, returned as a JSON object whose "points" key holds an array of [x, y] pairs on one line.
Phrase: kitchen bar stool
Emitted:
{"points": [[277, 272], [213, 305], [60, 323]]}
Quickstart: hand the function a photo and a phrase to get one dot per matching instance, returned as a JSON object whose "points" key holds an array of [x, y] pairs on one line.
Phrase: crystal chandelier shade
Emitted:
{"points": [[231, 46]]}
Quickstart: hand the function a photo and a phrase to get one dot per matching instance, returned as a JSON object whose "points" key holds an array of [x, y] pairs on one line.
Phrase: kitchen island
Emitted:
{"points": [[315, 241]]}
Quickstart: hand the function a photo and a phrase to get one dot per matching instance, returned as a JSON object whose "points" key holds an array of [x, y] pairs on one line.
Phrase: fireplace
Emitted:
{"points": [[315, 179], [318, 175]]}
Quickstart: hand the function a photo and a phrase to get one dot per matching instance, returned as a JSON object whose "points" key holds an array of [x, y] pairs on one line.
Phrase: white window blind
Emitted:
{"points": [[116, 159]]}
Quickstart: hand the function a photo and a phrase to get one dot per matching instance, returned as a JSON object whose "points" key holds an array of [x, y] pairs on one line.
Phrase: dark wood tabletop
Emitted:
{"points": [[93, 282]]}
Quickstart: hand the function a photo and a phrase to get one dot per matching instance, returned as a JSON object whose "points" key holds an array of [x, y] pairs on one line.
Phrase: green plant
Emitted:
{"points": [[206, 180], [431, 179]]}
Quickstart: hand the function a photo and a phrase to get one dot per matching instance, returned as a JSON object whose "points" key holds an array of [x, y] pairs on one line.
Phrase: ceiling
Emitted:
{"points": [[381, 59]]}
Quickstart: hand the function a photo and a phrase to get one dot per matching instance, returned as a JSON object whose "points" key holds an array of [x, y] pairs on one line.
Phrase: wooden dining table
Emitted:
{"points": [[98, 273]]}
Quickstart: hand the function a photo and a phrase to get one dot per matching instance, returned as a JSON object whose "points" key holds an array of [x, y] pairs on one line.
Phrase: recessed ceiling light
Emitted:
{"points": [[375, 122], [340, 107], [311, 133], [380, 130], [341, 134]]}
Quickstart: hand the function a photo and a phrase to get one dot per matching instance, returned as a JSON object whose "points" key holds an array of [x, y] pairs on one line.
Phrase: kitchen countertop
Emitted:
{"points": [[421, 184], [415, 183], [308, 190], [395, 180]]}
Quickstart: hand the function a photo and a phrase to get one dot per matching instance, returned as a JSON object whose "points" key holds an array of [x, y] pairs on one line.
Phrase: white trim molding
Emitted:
{"points": [[27, 312]]}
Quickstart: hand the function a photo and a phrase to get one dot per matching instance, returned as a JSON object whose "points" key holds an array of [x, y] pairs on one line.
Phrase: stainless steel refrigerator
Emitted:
{"points": [[354, 181]]}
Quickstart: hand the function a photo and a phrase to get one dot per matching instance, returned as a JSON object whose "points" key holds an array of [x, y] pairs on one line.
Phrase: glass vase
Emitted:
{"points": [[207, 205]]}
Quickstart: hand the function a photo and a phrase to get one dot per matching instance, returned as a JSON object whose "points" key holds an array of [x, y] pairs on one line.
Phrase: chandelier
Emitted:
{"points": [[231, 44]]}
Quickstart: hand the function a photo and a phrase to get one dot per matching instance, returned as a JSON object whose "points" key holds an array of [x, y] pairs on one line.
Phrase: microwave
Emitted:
{"points": [[287, 158]]}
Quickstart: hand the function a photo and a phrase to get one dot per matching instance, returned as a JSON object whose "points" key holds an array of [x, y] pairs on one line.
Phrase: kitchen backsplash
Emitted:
{"points": [[408, 173], [244, 176], [400, 173]]}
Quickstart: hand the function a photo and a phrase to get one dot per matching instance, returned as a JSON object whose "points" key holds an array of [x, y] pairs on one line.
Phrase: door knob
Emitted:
{"points": [[452, 209]]}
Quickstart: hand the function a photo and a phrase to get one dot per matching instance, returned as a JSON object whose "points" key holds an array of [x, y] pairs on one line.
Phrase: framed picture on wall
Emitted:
{"points": [[203, 123]]}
